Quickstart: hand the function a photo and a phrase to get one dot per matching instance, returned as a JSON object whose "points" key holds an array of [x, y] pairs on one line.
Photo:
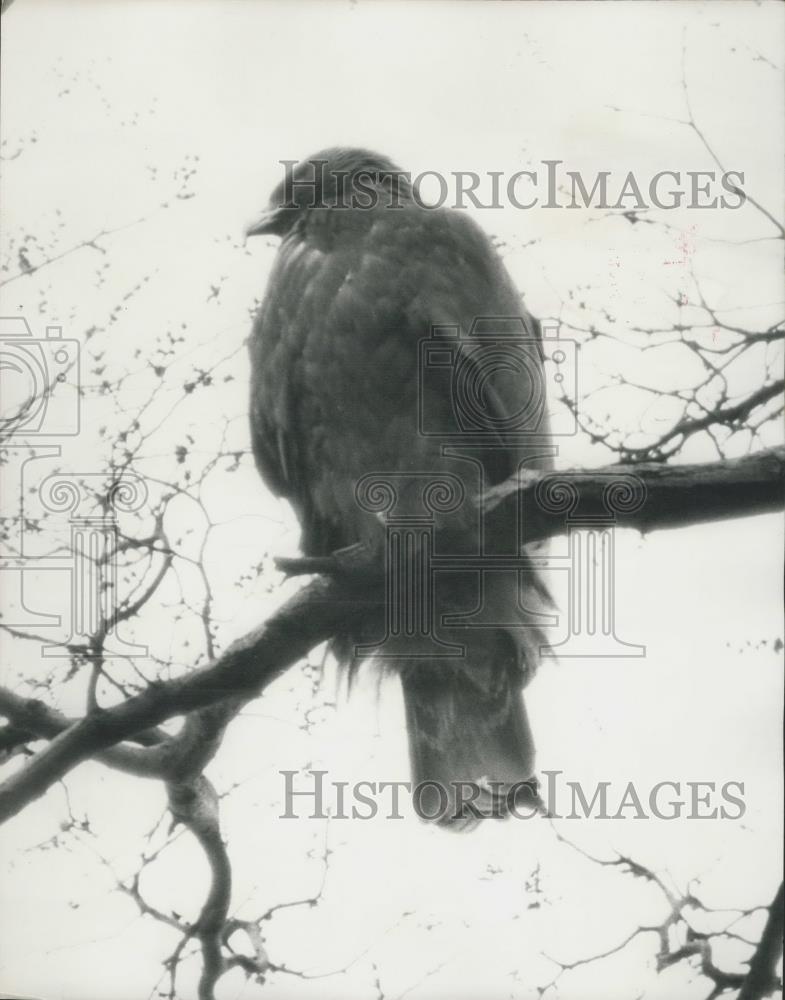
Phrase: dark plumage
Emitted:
{"points": [[334, 355]]}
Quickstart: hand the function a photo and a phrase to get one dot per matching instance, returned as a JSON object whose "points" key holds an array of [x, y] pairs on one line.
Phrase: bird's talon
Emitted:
{"points": [[354, 559]]}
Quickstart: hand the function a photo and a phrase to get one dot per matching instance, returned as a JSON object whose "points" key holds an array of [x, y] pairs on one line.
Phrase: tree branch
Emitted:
{"points": [[646, 497], [247, 666], [761, 980], [668, 496]]}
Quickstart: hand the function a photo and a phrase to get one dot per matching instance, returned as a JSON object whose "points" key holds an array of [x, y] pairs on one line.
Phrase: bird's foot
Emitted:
{"points": [[353, 560], [304, 565]]}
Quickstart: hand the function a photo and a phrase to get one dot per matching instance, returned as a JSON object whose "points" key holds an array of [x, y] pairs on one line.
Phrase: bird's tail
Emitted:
{"points": [[470, 745]]}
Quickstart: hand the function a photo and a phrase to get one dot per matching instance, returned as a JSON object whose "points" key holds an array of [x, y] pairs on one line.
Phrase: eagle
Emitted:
{"points": [[366, 273]]}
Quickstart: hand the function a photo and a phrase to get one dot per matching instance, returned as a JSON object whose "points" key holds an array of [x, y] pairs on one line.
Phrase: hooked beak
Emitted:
{"points": [[273, 221]]}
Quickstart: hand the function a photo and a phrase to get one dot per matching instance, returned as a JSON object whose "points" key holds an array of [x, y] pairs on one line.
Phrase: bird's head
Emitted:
{"points": [[344, 180]]}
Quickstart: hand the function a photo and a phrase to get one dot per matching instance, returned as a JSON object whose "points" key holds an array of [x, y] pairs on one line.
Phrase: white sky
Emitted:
{"points": [[112, 89]]}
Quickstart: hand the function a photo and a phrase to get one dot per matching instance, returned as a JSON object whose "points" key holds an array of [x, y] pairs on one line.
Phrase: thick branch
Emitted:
{"points": [[37, 720], [314, 614], [195, 804], [762, 978], [670, 496]]}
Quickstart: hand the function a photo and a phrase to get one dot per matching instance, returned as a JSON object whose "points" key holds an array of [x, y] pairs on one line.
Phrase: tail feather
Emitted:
{"points": [[471, 748], [470, 745]]}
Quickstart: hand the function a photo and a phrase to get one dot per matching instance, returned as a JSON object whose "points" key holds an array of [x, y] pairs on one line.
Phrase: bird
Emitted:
{"points": [[365, 274]]}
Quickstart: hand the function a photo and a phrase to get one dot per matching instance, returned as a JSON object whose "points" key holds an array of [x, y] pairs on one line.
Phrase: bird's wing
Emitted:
{"points": [[275, 347], [463, 282], [299, 371]]}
